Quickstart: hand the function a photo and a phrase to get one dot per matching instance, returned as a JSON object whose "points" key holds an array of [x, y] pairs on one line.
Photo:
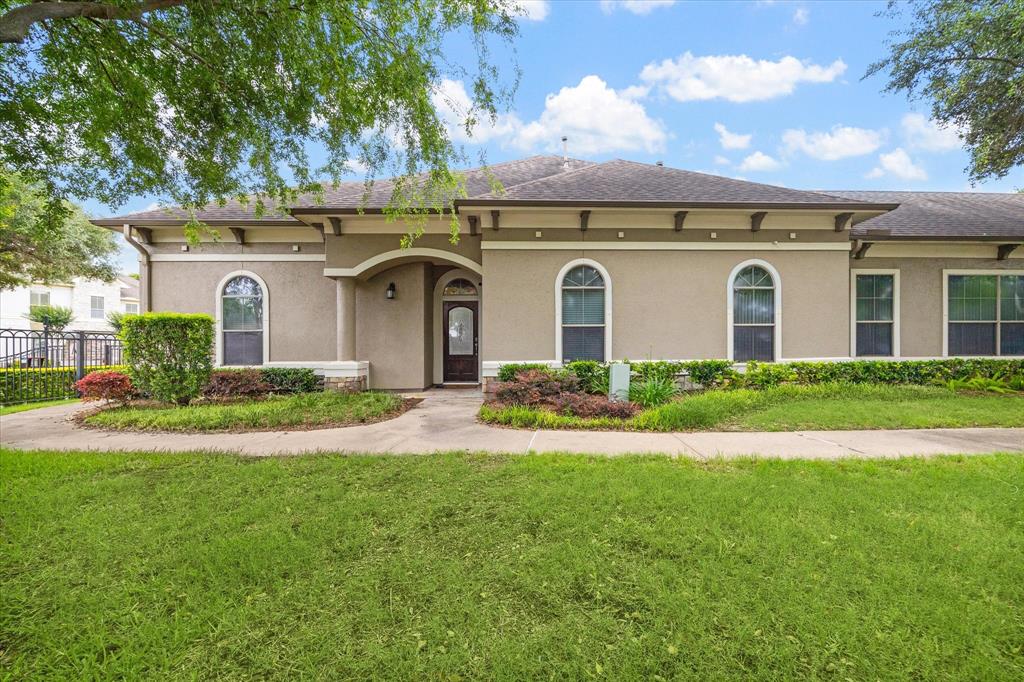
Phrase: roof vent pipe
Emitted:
{"points": [[659, 163], [565, 152]]}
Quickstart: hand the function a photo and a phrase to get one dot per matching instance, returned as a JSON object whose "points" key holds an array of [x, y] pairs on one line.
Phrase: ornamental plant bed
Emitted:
{"points": [[790, 408], [298, 412]]}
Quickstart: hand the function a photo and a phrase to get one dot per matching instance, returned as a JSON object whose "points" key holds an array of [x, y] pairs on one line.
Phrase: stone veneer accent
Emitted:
{"points": [[345, 384]]}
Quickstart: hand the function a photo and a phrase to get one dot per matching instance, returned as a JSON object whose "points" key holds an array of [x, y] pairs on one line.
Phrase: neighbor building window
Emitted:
{"points": [[583, 315], [242, 321], [131, 308], [875, 310], [37, 299], [753, 315], [985, 314], [96, 307]]}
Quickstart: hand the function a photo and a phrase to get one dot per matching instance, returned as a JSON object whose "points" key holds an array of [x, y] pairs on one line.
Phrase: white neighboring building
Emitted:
{"points": [[91, 301]]}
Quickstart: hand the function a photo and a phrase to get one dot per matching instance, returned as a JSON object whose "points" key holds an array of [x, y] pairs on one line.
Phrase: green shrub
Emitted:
{"points": [[766, 375], [508, 372], [168, 354], [920, 372], [593, 375], [710, 373], [292, 379], [658, 369], [653, 391], [52, 317], [28, 384]]}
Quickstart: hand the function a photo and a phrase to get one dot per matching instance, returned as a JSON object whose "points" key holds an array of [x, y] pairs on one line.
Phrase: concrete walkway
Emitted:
{"points": [[446, 420]]}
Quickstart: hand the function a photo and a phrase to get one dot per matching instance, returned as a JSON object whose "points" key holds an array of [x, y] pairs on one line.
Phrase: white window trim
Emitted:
{"points": [[729, 294], [102, 309], [895, 312], [945, 306], [607, 305], [220, 313]]}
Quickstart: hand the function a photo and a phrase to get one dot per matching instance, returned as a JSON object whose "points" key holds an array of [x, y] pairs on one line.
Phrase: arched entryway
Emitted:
{"points": [[457, 327]]}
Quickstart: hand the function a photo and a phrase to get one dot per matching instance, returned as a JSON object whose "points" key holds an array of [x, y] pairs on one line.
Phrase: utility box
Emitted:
{"points": [[618, 382]]}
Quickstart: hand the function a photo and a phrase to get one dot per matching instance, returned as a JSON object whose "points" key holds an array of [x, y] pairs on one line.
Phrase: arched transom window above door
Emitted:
{"points": [[459, 287], [242, 321]]}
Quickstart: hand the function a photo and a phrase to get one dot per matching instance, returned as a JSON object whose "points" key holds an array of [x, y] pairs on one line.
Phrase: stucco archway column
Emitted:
{"points": [[346, 302]]}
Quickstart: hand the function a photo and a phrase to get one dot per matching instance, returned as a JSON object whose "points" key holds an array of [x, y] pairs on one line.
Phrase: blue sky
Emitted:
{"points": [[767, 91]]}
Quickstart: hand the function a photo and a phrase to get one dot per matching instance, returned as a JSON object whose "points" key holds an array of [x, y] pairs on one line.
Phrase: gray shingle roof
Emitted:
{"points": [[626, 182], [942, 215], [353, 195]]}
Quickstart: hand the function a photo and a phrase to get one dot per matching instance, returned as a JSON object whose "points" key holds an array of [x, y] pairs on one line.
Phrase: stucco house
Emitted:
{"points": [[609, 260]]}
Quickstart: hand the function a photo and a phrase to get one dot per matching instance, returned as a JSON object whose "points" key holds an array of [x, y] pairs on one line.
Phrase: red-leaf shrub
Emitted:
{"points": [[586, 405], [232, 383], [532, 387], [110, 386]]}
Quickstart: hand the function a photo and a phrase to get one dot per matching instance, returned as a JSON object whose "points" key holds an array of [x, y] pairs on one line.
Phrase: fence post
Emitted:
{"points": [[80, 356]]}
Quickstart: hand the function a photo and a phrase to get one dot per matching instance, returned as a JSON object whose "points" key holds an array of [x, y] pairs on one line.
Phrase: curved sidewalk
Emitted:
{"points": [[446, 420]]}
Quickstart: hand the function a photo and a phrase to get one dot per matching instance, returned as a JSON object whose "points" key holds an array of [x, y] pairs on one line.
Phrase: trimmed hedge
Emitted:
{"points": [[28, 384], [715, 373], [508, 372], [169, 354], [227, 382]]}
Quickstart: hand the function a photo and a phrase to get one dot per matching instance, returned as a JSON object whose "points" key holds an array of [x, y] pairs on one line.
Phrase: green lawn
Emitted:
{"points": [[24, 407], [304, 410], [787, 408], [509, 567]]}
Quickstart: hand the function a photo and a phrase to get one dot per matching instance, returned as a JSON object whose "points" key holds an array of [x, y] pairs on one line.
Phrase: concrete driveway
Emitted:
{"points": [[446, 420]]}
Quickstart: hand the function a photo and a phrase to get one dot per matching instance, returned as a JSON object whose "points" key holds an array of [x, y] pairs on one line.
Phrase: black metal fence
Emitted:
{"points": [[44, 365]]}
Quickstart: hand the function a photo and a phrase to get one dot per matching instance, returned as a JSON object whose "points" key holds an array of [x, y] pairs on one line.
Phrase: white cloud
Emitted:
{"points": [[731, 140], [839, 143], [923, 133], [596, 118], [455, 106], [759, 161], [736, 78], [898, 163], [801, 16], [635, 6], [721, 160], [534, 10]]}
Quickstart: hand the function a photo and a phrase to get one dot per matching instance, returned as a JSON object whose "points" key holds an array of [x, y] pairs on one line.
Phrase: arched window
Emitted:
{"points": [[459, 287], [242, 323], [753, 315], [583, 314]]}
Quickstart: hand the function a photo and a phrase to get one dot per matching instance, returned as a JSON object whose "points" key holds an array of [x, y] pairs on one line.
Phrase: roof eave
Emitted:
{"points": [[118, 223], [883, 237], [739, 205]]}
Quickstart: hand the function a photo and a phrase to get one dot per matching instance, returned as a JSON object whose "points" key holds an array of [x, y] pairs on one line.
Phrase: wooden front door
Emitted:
{"points": [[461, 345]]}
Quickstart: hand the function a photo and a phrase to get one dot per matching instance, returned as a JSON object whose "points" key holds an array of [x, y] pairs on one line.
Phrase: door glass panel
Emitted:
{"points": [[460, 331]]}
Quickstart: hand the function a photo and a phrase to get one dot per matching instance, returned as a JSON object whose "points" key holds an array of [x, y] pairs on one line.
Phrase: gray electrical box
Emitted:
{"points": [[618, 382]]}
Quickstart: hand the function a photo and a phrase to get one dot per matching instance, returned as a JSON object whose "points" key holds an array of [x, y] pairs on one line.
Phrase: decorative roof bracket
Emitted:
{"points": [[756, 219]]}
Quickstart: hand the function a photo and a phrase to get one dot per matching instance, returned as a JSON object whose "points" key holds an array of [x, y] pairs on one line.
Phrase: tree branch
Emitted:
{"points": [[16, 24]]}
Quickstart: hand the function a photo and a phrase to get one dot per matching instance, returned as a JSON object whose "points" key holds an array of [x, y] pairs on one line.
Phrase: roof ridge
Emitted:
{"points": [[728, 179], [590, 165]]}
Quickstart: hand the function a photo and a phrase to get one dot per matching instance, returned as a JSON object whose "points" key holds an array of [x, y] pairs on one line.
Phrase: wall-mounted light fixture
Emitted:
{"points": [[390, 293]]}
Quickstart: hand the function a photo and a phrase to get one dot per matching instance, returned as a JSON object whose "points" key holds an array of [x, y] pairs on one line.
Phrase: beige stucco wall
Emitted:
{"points": [[665, 304], [395, 336], [302, 313], [349, 250], [921, 295]]}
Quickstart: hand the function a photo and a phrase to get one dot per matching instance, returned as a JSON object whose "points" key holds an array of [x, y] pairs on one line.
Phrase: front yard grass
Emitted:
{"points": [[792, 407], [449, 567], [304, 410]]}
